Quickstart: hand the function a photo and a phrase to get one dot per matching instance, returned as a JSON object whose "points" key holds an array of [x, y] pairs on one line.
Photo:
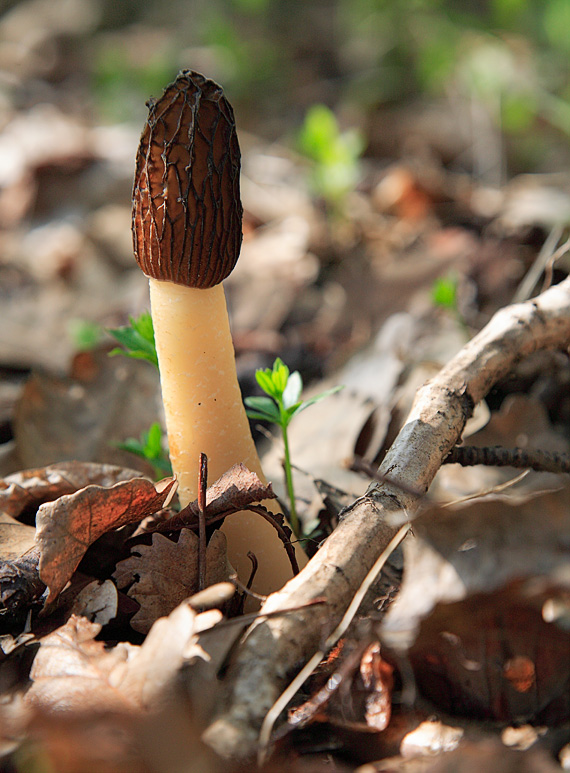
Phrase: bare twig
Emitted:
{"points": [[549, 267], [340, 630], [496, 456], [272, 648], [358, 464], [202, 546], [254, 565], [281, 531], [545, 255]]}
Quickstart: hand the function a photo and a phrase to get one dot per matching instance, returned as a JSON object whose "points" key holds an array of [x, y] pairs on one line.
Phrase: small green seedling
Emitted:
{"points": [[335, 154], [137, 338], [150, 447], [85, 335], [284, 390], [444, 293]]}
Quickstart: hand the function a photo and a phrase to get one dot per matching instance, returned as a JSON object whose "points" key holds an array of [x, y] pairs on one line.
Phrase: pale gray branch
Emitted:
{"points": [[273, 649]]}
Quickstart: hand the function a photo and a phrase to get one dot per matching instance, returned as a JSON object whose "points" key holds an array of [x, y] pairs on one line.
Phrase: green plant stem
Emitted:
{"points": [[293, 518]]}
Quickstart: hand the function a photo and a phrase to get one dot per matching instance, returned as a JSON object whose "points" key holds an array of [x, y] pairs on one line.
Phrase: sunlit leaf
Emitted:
{"points": [[292, 390]]}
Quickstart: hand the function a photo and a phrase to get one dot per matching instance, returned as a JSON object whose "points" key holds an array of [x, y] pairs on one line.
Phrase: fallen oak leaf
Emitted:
{"points": [[166, 573], [237, 490], [67, 527]]}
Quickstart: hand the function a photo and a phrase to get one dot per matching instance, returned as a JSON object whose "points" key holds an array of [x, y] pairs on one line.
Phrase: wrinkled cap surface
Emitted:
{"points": [[187, 212]]}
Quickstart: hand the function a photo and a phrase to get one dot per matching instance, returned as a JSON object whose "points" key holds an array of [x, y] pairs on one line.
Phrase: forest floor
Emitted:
{"points": [[459, 656]]}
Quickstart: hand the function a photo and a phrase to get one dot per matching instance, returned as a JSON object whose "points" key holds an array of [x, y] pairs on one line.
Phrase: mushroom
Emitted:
{"points": [[187, 233]]}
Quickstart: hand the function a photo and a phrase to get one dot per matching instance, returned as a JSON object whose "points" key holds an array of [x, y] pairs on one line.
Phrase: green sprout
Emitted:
{"points": [[150, 447], [85, 335], [284, 390], [137, 338], [335, 154], [444, 293]]}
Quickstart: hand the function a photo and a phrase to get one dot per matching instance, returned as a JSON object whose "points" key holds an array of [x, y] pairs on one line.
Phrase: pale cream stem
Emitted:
{"points": [[205, 414]]}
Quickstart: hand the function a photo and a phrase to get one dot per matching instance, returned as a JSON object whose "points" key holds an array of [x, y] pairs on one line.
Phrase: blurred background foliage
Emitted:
{"points": [[501, 63]]}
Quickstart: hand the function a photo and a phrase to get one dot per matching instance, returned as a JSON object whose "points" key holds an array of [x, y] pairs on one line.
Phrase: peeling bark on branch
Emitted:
{"points": [[274, 648]]}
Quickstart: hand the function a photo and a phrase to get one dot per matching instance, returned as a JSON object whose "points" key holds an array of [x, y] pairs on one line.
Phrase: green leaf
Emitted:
{"points": [[137, 338], [85, 335], [280, 376], [153, 438], [265, 380], [292, 390], [316, 399], [263, 408], [444, 292], [273, 380], [149, 447]]}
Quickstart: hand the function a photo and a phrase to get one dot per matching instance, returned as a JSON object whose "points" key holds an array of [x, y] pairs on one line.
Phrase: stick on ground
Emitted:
{"points": [[274, 649]]}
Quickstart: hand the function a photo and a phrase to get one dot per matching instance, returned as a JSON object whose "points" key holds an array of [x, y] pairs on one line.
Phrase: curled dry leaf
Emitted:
{"points": [[479, 546], [357, 691], [20, 583], [97, 601], [166, 573], [30, 488], [74, 673], [478, 576], [233, 491], [494, 656], [68, 526], [170, 643]]}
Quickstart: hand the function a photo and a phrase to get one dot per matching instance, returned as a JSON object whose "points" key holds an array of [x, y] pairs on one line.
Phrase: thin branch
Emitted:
{"points": [[547, 252], [202, 544], [272, 648], [332, 639], [281, 531], [521, 458]]}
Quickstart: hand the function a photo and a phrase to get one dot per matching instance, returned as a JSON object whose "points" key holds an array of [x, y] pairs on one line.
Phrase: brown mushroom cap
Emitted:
{"points": [[187, 213]]}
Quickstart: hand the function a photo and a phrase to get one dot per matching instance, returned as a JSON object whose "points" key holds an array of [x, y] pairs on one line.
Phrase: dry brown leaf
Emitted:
{"points": [[520, 672], [68, 526], [488, 753], [233, 491], [480, 575], [166, 573], [478, 547], [20, 583], [378, 683], [15, 538], [75, 674], [97, 602], [494, 656], [170, 642], [30, 488], [72, 672], [356, 693]]}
